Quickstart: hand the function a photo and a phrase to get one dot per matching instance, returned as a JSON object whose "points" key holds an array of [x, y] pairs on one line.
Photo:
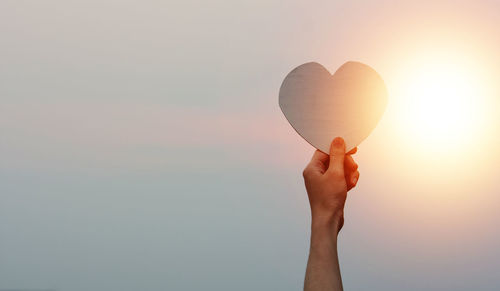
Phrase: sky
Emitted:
{"points": [[142, 146]]}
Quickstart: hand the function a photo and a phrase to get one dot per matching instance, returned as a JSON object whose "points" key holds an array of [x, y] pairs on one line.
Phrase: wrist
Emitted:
{"points": [[324, 234], [327, 222]]}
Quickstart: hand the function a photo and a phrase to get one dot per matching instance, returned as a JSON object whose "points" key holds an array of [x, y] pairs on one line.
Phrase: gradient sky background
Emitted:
{"points": [[142, 147]]}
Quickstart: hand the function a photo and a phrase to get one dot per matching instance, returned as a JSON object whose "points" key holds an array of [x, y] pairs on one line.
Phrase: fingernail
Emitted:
{"points": [[354, 180], [338, 141]]}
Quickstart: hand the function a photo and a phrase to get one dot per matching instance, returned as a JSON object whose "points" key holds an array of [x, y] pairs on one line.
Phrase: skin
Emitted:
{"points": [[327, 179]]}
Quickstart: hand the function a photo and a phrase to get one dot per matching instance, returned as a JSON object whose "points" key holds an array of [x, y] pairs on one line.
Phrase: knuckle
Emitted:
{"points": [[306, 173]]}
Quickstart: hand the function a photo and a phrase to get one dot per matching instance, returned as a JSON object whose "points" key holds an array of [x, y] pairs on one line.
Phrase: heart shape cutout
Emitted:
{"points": [[321, 106]]}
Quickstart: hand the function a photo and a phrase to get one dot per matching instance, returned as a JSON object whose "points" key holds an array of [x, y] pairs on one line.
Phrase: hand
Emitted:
{"points": [[327, 179]]}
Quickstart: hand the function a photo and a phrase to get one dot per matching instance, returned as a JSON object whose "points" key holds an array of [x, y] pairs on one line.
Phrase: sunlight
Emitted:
{"points": [[442, 105]]}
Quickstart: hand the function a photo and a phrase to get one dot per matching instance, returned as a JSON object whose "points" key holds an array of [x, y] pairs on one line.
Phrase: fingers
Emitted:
{"points": [[349, 164], [351, 173], [320, 161], [352, 180], [355, 178], [317, 165], [337, 156], [320, 156]]}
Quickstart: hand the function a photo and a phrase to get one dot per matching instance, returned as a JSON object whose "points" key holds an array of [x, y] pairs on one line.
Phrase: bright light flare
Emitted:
{"points": [[442, 105]]}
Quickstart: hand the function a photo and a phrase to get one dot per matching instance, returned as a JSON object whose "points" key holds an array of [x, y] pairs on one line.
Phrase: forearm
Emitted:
{"points": [[323, 271], [327, 179]]}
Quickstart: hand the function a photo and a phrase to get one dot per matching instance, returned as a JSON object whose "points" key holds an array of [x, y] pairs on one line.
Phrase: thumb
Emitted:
{"points": [[337, 154]]}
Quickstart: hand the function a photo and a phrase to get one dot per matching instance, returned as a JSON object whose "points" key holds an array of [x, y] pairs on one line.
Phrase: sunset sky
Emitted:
{"points": [[142, 146]]}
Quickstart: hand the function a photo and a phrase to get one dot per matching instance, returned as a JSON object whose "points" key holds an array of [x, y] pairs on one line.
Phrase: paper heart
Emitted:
{"points": [[321, 106]]}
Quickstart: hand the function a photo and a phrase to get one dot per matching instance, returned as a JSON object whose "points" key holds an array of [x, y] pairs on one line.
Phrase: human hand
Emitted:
{"points": [[327, 179]]}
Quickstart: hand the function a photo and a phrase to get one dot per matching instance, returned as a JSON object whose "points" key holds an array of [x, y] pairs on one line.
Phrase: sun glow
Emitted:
{"points": [[442, 105]]}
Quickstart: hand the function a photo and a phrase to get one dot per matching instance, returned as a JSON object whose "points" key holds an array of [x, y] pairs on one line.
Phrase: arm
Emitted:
{"points": [[327, 179]]}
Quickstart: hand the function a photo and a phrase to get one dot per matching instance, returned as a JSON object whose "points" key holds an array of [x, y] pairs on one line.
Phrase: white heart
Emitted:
{"points": [[321, 106]]}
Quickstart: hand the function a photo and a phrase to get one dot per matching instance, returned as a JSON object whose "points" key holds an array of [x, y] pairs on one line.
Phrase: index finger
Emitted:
{"points": [[319, 161], [353, 151]]}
